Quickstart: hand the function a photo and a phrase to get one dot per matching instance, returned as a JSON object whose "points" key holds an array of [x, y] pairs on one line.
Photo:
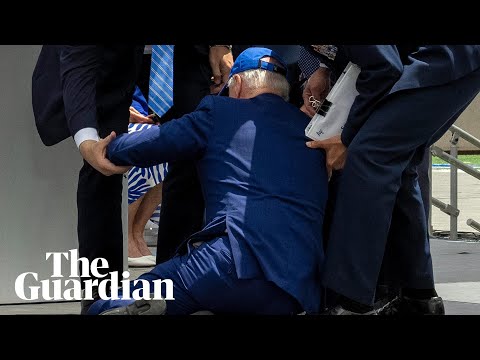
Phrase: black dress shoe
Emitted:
{"points": [[140, 307], [85, 304], [340, 310], [405, 306]]}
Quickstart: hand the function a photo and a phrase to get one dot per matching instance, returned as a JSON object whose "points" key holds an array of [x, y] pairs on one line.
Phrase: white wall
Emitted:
{"points": [[38, 184]]}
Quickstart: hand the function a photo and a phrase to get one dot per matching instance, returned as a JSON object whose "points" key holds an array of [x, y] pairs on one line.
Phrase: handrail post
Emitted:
{"points": [[454, 186], [430, 180], [455, 164]]}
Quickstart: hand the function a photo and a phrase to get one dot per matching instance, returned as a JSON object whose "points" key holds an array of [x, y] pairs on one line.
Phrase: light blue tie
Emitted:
{"points": [[160, 94]]}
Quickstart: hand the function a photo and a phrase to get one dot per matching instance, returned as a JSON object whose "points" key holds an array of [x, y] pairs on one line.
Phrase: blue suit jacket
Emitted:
{"points": [[262, 185], [387, 69]]}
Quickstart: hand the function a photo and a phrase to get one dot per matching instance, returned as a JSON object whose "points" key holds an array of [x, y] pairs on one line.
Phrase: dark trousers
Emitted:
{"points": [[424, 181], [379, 215], [206, 279], [99, 202], [182, 208]]}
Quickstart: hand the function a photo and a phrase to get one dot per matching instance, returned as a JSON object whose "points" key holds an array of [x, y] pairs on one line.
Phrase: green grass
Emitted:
{"points": [[469, 159]]}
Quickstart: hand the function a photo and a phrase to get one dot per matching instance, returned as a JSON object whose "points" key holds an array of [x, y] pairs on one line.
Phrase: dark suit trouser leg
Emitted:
{"points": [[183, 206], [377, 185], [99, 200], [424, 181], [408, 238], [99, 204]]}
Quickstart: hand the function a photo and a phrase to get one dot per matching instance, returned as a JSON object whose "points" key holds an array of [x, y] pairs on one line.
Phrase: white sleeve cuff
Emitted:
{"points": [[86, 134]]}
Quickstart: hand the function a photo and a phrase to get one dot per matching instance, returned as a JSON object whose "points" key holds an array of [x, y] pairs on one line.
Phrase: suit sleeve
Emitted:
{"points": [[381, 67], [178, 139], [78, 73]]}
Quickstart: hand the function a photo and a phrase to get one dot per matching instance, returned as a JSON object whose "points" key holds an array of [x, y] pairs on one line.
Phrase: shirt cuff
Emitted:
{"points": [[86, 134]]}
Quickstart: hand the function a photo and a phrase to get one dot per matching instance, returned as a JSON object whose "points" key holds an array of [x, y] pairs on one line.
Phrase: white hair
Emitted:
{"points": [[260, 78]]}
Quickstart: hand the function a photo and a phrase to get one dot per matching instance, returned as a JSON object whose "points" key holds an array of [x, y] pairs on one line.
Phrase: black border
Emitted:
{"points": [[236, 23]]}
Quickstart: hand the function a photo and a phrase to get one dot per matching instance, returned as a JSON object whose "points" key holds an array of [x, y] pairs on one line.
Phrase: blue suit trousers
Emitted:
{"points": [[205, 279]]}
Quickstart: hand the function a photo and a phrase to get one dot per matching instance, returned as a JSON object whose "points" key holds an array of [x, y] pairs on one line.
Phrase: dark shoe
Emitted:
{"points": [[340, 310], [404, 306], [385, 294], [140, 307], [85, 304]]}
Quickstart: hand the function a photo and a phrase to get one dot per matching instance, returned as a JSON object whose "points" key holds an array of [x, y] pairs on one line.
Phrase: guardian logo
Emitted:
{"points": [[49, 289]]}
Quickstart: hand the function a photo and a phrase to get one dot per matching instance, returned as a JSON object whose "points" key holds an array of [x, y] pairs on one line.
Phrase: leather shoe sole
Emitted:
{"points": [[340, 310], [404, 306], [140, 307]]}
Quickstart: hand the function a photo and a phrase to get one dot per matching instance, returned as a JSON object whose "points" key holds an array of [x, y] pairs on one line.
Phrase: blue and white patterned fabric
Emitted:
{"points": [[140, 180]]}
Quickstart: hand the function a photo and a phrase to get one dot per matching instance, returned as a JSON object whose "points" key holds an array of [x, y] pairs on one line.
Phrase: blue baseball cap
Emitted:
{"points": [[251, 58]]}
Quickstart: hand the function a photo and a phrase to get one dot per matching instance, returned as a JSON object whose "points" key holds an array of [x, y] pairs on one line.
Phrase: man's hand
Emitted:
{"points": [[335, 151], [95, 153], [317, 88], [221, 61], [137, 118]]}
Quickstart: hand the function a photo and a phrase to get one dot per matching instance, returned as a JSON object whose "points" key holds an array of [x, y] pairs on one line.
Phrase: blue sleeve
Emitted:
{"points": [[78, 73], [178, 139], [381, 67], [139, 102]]}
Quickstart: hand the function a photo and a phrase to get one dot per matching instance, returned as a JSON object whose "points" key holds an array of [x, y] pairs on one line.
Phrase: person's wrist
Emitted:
{"points": [[85, 146]]}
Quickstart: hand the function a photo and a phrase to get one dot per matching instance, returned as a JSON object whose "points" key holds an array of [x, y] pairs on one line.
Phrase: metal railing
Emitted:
{"points": [[452, 209]]}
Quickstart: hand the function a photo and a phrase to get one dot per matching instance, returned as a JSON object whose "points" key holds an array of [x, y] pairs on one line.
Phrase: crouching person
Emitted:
{"points": [[260, 251]]}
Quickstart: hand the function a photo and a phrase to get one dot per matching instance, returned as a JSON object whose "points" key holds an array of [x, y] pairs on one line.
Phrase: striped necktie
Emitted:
{"points": [[160, 94]]}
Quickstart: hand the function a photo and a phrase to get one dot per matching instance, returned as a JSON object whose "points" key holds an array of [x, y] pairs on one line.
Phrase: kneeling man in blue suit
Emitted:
{"points": [[260, 251]]}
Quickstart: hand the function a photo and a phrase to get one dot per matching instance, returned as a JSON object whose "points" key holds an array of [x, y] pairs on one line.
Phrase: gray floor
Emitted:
{"points": [[468, 199], [456, 263], [456, 267], [55, 308]]}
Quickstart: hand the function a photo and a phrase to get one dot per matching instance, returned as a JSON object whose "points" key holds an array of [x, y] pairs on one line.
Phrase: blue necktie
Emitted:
{"points": [[160, 94]]}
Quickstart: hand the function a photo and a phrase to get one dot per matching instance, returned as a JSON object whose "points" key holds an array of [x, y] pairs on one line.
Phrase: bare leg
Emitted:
{"points": [[151, 200], [133, 250]]}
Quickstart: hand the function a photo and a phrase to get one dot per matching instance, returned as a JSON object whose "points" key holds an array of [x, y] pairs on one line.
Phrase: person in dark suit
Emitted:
{"points": [[85, 92], [408, 98], [265, 192]]}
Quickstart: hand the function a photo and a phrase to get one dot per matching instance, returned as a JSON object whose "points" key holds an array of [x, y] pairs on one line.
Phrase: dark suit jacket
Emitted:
{"points": [[262, 185], [387, 69], [74, 87]]}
